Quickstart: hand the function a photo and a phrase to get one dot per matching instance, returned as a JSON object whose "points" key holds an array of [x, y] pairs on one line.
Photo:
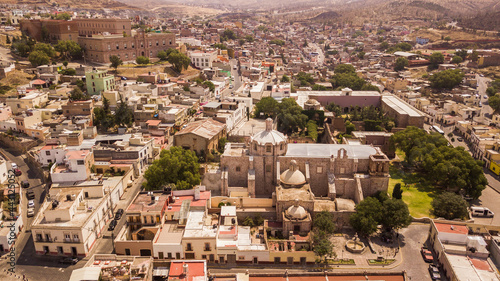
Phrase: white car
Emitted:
{"points": [[31, 203], [31, 212], [13, 165]]}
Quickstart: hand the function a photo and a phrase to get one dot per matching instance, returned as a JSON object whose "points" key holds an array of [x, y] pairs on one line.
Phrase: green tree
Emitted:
{"points": [[103, 119], [462, 54], [65, 64], [176, 165], [249, 38], [46, 48], [446, 79], [349, 127], [124, 116], [401, 63], [37, 58], [367, 216], [248, 222], [457, 60], [317, 87], [78, 95], [322, 246], [384, 46], [345, 68], [115, 62], [324, 221], [80, 84], [395, 214], [285, 78], [69, 49], [397, 192], [332, 107], [267, 107], [450, 206], [290, 116], [63, 16], [7, 39], [277, 42], [178, 60], [209, 85], [68, 71], [142, 60], [435, 60], [494, 102], [228, 34]]}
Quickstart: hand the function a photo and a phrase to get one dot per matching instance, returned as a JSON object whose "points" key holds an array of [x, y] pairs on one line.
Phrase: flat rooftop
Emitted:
{"points": [[169, 235], [471, 269], [144, 203], [199, 226], [319, 150], [400, 106]]}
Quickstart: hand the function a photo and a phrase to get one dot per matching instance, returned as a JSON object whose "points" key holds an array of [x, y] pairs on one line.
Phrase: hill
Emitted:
{"points": [[82, 4]]}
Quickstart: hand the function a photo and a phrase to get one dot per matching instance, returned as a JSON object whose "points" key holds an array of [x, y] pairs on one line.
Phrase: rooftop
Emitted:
{"points": [[400, 106], [144, 203], [319, 150], [205, 128], [451, 228]]}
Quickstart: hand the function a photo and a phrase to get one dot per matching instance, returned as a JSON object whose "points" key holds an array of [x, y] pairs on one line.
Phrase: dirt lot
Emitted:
{"points": [[435, 35], [134, 71]]}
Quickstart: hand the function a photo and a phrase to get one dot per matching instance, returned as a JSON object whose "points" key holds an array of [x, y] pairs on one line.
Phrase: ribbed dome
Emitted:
{"points": [[296, 212], [273, 137], [269, 135], [312, 102], [293, 176]]}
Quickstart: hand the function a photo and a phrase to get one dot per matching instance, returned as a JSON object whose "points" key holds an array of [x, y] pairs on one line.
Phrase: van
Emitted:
{"points": [[481, 212]]}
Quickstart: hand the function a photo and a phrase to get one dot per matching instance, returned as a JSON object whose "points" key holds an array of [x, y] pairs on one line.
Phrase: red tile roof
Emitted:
{"points": [[451, 228], [195, 269]]}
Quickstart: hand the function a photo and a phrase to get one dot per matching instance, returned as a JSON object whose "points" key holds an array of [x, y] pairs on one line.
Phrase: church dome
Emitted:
{"points": [[293, 176], [296, 212], [312, 102], [269, 135]]}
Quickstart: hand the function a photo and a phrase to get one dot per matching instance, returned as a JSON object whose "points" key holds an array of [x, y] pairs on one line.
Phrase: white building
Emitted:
{"points": [[51, 154], [202, 59], [73, 217], [76, 167]]}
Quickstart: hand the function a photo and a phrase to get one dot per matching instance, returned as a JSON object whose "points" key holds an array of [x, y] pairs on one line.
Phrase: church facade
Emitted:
{"points": [[330, 170]]}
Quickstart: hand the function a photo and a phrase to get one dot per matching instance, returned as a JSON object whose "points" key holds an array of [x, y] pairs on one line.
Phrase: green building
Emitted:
{"points": [[99, 81]]}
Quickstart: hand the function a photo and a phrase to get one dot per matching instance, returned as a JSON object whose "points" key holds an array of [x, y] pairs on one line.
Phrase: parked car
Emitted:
{"points": [[118, 214], [231, 86], [13, 165], [17, 172], [460, 139], [69, 260], [427, 255], [112, 225], [30, 194], [31, 203], [123, 78], [434, 272], [25, 184], [31, 212]]}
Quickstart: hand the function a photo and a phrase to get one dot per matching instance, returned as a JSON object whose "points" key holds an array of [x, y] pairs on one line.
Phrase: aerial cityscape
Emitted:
{"points": [[200, 140]]}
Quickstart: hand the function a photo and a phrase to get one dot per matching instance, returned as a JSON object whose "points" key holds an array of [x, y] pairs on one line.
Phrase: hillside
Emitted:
{"points": [[82, 4]]}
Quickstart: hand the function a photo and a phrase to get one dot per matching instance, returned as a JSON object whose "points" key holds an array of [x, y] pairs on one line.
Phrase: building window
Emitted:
{"points": [[156, 42], [268, 168], [117, 46], [133, 45], [163, 42], [319, 170], [342, 170], [124, 45], [80, 162], [188, 247], [47, 152], [207, 247], [238, 169], [268, 148]]}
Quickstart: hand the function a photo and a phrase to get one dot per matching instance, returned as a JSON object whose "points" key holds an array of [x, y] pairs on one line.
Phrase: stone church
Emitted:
{"points": [[330, 170]]}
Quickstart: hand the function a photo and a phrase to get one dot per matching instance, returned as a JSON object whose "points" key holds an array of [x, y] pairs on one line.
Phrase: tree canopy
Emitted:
{"points": [[290, 116], [142, 60], [115, 61], [401, 63], [446, 167], [176, 165], [79, 95], [446, 79], [345, 76], [267, 107], [435, 60], [324, 221], [37, 58], [69, 49], [450, 206]]}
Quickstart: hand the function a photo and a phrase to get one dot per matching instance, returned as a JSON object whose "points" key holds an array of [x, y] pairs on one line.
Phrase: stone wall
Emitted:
{"points": [[20, 145]]}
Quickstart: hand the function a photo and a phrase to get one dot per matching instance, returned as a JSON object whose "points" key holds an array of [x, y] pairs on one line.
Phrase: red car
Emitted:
{"points": [[427, 255], [18, 172]]}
